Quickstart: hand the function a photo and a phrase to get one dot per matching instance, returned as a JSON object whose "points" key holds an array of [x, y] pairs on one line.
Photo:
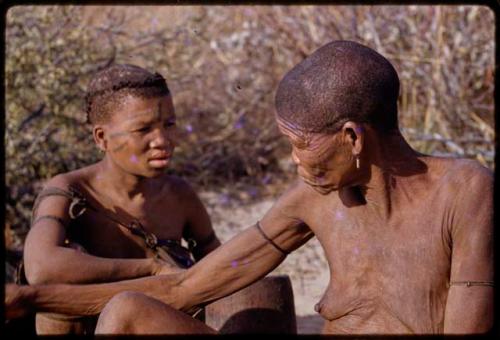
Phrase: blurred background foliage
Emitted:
{"points": [[223, 64]]}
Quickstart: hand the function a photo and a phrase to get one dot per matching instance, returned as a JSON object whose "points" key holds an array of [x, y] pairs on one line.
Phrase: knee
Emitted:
{"points": [[118, 314]]}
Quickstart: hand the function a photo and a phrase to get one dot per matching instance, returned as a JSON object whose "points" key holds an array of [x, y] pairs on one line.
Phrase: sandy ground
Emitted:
{"points": [[306, 267]]}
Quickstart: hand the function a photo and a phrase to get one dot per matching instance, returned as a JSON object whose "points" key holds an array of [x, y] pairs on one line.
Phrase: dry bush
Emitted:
{"points": [[444, 56], [43, 71], [223, 65]]}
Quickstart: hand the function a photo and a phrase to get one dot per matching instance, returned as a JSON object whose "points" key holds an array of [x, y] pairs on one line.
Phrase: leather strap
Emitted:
{"points": [[79, 205]]}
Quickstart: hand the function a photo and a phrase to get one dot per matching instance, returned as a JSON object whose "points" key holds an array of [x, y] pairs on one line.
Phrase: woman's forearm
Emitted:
{"points": [[230, 267], [241, 261], [234, 265], [70, 266], [90, 299]]}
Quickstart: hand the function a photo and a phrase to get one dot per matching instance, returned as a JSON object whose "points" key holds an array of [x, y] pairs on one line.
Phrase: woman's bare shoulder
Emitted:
{"points": [[77, 178], [295, 199], [463, 177], [174, 186], [466, 170]]}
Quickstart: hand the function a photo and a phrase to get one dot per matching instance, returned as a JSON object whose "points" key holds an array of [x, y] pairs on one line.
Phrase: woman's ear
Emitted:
{"points": [[354, 135], [99, 137]]}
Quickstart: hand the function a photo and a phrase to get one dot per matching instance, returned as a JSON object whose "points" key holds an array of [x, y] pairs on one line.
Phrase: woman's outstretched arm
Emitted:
{"points": [[244, 259]]}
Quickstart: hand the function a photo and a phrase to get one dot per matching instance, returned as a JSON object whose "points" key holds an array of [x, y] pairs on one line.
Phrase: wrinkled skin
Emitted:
{"points": [[397, 232], [129, 183]]}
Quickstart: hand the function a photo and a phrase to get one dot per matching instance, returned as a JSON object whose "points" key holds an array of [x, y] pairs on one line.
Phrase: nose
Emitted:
{"points": [[295, 159], [301, 172], [163, 139]]}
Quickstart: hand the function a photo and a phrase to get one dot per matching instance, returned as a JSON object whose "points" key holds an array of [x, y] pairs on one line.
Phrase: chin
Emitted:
{"points": [[153, 173], [324, 190]]}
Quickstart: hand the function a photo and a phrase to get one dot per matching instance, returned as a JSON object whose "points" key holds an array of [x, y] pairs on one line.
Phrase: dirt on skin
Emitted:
{"points": [[306, 267]]}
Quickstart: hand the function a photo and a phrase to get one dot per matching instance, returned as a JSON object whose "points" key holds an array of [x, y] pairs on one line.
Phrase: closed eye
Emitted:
{"points": [[298, 143], [169, 123], [143, 129]]}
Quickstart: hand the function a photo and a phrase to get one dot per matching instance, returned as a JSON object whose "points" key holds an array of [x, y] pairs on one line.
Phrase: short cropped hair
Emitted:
{"points": [[340, 81], [108, 87]]}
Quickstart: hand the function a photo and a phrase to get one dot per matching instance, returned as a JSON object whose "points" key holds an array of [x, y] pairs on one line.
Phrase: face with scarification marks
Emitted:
{"points": [[325, 161], [140, 136]]}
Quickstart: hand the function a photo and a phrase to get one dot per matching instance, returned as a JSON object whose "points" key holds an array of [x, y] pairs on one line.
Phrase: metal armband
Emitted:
{"points": [[472, 283], [281, 250]]}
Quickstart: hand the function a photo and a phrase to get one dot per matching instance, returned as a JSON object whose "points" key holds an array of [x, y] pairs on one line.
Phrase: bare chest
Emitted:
{"points": [[106, 230], [382, 269], [366, 244]]}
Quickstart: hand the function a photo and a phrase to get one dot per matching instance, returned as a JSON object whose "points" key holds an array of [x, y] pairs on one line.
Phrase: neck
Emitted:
{"points": [[390, 162], [118, 182]]}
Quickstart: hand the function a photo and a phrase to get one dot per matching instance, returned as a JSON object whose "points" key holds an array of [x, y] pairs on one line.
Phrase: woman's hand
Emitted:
{"points": [[162, 267]]}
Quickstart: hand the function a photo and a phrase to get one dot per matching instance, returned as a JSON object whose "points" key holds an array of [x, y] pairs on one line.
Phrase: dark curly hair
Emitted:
{"points": [[108, 87], [340, 81]]}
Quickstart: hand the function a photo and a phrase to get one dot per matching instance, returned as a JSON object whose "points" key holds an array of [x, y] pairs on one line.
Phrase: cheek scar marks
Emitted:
{"points": [[120, 147], [150, 113], [118, 134], [144, 112]]}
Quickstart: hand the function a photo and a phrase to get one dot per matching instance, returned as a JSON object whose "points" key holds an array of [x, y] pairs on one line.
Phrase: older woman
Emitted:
{"points": [[408, 237]]}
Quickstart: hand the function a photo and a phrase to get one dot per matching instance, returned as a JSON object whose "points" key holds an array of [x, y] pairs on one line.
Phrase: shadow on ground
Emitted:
{"points": [[309, 324]]}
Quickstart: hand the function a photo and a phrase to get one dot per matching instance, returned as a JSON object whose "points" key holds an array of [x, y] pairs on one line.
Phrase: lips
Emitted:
{"points": [[159, 155], [159, 159]]}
